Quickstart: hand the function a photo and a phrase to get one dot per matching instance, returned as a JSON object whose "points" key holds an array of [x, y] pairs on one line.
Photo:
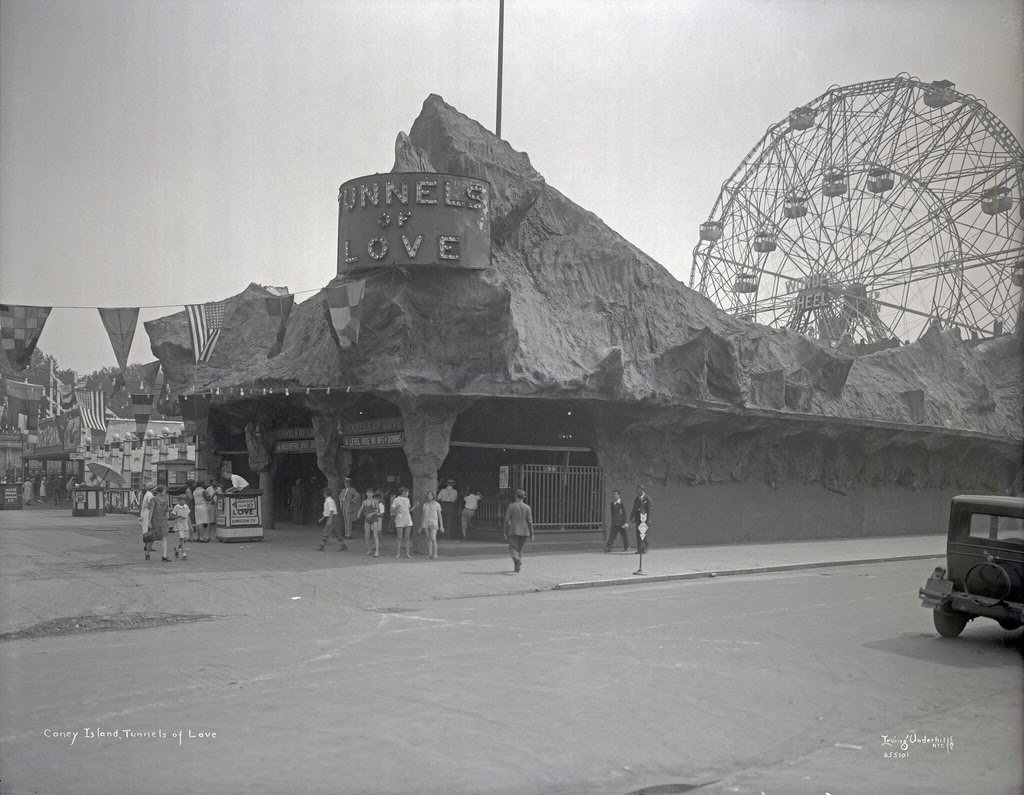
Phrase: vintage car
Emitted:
{"points": [[985, 565]]}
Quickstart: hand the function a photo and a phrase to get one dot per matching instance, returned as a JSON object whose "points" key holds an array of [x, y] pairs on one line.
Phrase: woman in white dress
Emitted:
{"points": [[202, 512]]}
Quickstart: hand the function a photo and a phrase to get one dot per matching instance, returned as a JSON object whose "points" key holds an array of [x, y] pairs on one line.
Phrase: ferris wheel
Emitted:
{"points": [[875, 210]]}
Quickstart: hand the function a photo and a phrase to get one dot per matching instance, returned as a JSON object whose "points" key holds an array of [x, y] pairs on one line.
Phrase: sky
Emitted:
{"points": [[173, 151]]}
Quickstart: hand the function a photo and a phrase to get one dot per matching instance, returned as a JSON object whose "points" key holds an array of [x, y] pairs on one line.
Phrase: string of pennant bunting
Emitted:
{"points": [[21, 324]]}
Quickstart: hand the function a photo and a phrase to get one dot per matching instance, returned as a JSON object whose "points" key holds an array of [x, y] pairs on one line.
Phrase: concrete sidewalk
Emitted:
{"points": [[55, 566]]}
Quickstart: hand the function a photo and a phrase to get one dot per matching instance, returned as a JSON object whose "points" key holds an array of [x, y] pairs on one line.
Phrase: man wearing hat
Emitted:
{"points": [[350, 502], [449, 499]]}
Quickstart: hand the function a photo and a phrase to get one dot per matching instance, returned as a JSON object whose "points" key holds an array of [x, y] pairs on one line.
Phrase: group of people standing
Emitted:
{"points": [[194, 514], [43, 487], [438, 512]]}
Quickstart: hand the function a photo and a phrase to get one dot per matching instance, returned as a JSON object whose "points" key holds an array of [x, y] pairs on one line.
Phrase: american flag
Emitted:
{"points": [[205, 322], [93, 406]]}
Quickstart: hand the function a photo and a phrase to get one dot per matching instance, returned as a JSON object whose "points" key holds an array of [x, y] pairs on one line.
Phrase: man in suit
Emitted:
{"points": [[641, 513], [449, 499], [619, 524], [518, 527], [350, 502]]}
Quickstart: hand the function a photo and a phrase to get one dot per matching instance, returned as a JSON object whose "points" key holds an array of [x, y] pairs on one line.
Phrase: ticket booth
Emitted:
{"points": [[176, 473], [10, 497], [88, 501], [240, 516]]}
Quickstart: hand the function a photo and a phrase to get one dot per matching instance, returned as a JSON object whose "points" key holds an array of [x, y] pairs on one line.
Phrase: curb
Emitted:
{"points": [[696, 575]]}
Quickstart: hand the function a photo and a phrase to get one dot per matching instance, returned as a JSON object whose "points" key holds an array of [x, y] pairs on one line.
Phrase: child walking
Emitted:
{"points": [[182, 526], [330, 522]]}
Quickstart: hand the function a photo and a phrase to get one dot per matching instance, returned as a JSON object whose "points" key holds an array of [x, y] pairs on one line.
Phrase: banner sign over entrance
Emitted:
{"points": [[295, 446], [403, 219], [363, 434], [374, 440], [293, 433], [371, 426]]}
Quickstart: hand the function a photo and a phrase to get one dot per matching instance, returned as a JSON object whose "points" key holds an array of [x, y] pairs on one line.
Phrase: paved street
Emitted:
{"points": [[414, 676]]}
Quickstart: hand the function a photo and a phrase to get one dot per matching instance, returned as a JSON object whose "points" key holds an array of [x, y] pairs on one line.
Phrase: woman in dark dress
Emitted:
{"points": [[158, 521]]}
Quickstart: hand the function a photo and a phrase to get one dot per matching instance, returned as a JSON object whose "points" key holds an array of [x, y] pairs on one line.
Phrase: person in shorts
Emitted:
{"points": [[371, 512], [401, 511], [432, 523]]}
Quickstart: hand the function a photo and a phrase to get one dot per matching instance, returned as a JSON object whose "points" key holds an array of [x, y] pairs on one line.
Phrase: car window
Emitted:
{"points": [[1004, 528]]}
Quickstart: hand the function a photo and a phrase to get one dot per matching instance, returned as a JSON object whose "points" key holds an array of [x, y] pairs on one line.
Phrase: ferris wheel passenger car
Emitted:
{"points": [[984, 574]]}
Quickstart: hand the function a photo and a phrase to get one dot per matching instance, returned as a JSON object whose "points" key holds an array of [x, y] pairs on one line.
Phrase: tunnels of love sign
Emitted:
{"points": [[408, 219]]}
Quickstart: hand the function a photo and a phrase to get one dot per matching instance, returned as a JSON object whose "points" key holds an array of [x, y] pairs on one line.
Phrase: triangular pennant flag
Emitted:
{"points": [[20, 327], [205, 322], [120, 324], [142, 408], [279, 306], [343, 308], [23, 405], [93, 407], [195, 411]]}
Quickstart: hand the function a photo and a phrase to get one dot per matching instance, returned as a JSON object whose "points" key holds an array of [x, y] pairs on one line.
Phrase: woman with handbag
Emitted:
{"points": [[158, 520]]}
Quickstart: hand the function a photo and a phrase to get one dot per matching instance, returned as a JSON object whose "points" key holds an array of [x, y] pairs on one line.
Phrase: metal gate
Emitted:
{"points": [[562, 497]]}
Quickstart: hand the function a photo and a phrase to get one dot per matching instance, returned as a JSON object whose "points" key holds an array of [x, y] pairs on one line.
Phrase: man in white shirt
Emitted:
{"points": [[238, 483], [449, 499], [329, 519], [472, 503]]}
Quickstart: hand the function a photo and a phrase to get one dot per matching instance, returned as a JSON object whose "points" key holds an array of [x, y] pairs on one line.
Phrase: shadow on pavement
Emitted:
{"points": [[988, 647]]}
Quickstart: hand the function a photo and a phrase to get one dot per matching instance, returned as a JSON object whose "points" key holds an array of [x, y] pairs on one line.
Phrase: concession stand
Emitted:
{"points": [[88, 501], [240, 516]]}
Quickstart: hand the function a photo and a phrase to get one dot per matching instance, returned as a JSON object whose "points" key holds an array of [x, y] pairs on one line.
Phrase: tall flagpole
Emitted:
{"points": [[501, 36]]}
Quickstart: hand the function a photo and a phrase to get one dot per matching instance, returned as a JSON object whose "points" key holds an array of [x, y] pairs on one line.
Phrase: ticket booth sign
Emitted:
{"points": [[240, 516], [408, 219], [10, 497], [244, 511]]}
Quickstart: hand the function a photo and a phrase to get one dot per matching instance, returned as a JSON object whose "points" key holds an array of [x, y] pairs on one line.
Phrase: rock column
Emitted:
{"points": [[260, 444], [332, 459], [428, 426], [610, 443]]}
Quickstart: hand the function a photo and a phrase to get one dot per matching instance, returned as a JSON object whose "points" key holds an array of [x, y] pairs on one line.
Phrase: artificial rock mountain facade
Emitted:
{"points": [[739, 431]]}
